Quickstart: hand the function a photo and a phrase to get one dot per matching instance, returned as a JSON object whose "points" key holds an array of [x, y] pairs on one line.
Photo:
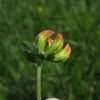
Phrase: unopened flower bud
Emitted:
{"points": [[51, 49]]}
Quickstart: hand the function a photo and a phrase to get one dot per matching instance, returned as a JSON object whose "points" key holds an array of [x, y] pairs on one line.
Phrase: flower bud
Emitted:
{"points": [[63, 54], [51, 49], [42, 38]]}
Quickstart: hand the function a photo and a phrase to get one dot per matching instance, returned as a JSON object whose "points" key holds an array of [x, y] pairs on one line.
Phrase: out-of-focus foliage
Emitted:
{"points": [[78, 21]]}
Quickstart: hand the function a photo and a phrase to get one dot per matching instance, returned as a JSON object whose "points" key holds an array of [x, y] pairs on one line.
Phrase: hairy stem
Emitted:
{"points": [[39, 83]]}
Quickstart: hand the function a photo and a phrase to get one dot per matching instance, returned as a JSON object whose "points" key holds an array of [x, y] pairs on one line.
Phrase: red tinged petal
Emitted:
{"points": [[59, 35], [50, 41], [67, 49], [42, 39], [56, 45], [64, 54], [46, 33]]}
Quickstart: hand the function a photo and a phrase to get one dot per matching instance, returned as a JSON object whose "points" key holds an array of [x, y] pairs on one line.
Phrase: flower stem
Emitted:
{"points": [[39, 82]]}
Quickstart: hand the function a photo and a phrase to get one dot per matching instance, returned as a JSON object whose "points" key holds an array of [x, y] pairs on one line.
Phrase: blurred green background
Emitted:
{"points": [[78, 21]]}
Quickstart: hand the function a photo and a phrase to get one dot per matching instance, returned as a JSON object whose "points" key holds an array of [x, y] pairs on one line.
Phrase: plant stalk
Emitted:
{"points": [[39, 82]]}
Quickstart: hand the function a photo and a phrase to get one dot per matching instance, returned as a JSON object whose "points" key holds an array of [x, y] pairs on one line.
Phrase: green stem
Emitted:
{"points": [[39, 83]]}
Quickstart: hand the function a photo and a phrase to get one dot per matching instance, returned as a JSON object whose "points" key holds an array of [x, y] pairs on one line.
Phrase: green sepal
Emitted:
{"points": [[30, 47], [31, 57], [31, 52]]}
